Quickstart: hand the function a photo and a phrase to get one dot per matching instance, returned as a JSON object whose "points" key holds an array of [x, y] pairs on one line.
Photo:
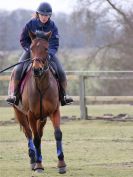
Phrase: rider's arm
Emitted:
{"points": [[25, 40], [54, 41]]}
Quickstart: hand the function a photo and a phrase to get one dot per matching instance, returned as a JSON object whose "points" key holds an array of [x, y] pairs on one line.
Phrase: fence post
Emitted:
{"points": [[83, 108]]}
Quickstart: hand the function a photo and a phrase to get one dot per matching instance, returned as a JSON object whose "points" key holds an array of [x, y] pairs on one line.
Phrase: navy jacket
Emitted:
{"points": [[35, 24]]}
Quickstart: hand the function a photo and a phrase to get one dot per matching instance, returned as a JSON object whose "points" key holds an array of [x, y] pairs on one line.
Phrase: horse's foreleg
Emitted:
{"points": [[37, 143], [32, 153], [58, 137], [37, 129]]}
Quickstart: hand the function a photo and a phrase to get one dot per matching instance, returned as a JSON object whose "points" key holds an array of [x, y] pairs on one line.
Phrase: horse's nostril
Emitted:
{"points": [[37, 72]]}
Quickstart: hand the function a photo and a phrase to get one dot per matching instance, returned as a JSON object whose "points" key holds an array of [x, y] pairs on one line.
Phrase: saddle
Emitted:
{"points": [[24, 75]]}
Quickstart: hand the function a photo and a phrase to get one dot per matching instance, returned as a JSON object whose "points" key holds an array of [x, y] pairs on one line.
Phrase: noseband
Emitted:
{"points": [[38, 72]]}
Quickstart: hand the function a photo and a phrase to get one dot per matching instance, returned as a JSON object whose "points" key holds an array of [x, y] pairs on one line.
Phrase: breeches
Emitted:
{"points": [[60, 70]]}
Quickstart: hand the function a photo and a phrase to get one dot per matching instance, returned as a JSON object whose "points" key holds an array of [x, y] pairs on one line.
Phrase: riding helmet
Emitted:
{"points": [[44, 8]]}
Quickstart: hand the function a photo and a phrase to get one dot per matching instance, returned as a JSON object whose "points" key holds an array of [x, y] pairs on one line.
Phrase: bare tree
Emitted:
{"points": [[113, 34]]}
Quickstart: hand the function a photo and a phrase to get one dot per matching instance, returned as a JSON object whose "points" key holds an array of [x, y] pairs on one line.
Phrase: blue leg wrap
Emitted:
{"points": [[58, 137], [37, 142], [32, 151], [31, 145]]}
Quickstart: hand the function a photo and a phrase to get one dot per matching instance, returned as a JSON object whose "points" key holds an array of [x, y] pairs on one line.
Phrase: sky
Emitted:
{"points": [[57, 5]]}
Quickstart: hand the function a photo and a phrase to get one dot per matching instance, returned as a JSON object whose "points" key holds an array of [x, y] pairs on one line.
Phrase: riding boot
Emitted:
{"points": [[16, 95], [65, 99], [19, 74]]}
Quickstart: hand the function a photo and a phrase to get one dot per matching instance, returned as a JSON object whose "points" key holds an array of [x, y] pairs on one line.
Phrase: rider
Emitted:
{"points": [[41, 22]]}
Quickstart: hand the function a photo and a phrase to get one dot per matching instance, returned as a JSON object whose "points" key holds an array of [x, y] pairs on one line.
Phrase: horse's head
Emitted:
{"points": [[39, 52]]}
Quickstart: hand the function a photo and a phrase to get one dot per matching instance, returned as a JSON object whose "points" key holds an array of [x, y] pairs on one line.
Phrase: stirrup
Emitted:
{"points": [[66, 100], [12, 100]]}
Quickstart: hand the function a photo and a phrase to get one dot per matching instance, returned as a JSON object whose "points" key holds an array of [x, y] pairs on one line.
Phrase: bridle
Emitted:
{"points": [[40, 71]]}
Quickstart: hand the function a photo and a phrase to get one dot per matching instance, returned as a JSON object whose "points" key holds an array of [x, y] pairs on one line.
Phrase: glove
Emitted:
{"points": [[50, 57], [27, 49]]}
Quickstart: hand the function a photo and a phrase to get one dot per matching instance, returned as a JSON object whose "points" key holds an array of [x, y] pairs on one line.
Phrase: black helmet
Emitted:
{"points": [[44, 9]]}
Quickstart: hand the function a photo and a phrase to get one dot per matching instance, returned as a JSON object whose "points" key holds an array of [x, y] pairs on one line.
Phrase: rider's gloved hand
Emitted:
{"points": [[50, 57], [27, 49]]}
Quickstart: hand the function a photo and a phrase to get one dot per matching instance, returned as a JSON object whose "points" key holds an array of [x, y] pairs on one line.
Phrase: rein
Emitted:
{"points": [[21, 62]]}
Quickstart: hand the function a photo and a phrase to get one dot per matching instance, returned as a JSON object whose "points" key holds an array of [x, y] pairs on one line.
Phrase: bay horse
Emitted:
{"points": [[39, 100]]}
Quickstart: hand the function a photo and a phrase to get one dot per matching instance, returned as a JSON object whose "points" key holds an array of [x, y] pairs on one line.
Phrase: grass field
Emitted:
{"points": [[92, 148]]}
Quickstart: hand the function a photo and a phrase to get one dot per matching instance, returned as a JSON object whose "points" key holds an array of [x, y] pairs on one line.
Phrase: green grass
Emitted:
{"points": [[91, 148]]}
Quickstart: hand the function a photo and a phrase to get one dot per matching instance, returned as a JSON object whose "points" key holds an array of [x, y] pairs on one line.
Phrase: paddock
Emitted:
{"points": [[92, 148]]}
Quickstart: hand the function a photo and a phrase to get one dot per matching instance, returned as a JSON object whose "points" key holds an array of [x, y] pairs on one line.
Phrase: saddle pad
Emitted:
{"points": [[25, 79], [11, 82]]}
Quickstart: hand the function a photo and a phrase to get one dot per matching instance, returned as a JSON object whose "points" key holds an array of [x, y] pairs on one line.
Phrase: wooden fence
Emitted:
{"points": [[81, 76]]}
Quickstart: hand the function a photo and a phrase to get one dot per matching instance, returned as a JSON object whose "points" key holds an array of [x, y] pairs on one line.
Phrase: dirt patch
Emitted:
{"points": [[107, 117], [111, 117], [8, 122], [66, 119]]}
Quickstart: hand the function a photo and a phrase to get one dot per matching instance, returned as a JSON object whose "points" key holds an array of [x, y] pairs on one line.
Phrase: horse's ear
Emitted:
{"points": [[48, 35], [32, 35]]}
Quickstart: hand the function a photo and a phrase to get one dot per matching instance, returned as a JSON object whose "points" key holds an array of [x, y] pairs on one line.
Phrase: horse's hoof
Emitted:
{"points": [[62, 170], [32, 165], [39, 170]]}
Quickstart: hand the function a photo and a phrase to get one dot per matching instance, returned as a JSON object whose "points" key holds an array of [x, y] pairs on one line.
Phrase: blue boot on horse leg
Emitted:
{"points": [[38, 167], [61, 162], [32, 153]]}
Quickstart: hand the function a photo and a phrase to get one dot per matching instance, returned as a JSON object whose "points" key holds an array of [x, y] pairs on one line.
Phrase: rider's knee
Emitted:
{"points": [[25, 55]]}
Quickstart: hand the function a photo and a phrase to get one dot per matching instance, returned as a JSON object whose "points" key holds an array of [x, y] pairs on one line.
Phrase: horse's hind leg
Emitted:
{"points": [[55, 118], [22, 119]]}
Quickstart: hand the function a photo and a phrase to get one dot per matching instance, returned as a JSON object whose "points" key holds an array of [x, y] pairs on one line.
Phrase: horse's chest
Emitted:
{"points": [[44, 101], [44, 105]]}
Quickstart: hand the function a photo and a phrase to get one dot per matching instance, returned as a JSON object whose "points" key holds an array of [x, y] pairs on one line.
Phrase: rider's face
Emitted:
{"points": [[43, 18]]}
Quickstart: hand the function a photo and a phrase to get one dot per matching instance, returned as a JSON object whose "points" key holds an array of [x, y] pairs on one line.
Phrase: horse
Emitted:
{"points": [[39, 100]]}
